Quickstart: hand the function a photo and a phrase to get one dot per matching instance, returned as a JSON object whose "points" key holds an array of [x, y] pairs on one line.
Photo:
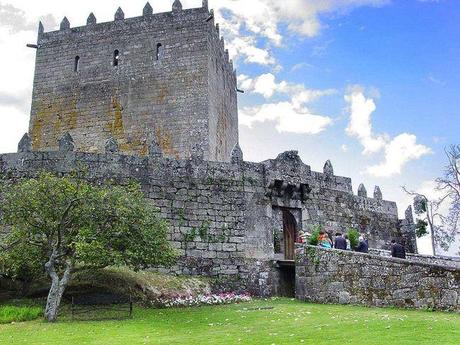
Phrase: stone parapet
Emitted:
{"points": [[334, 276]]}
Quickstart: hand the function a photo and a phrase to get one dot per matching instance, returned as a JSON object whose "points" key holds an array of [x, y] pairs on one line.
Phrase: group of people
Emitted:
{"points": [[342, 242]]}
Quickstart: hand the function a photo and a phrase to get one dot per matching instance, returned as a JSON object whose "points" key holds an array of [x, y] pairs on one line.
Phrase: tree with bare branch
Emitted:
{"points": [[440, 216], [449, 184]]}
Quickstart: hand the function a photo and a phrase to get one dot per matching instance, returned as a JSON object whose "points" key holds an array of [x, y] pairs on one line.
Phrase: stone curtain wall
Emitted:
{"points": [[332, 204], [429, 259], [333, 276], [168, 100], [222, 217], [212, 207]]}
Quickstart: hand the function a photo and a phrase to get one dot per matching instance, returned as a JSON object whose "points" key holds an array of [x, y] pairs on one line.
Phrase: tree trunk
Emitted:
{"points": [[57, 288], [432, 229], [433, 243]]}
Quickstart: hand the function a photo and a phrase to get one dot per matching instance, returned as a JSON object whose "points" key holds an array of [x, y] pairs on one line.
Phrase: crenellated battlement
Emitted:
{"points": [[195, 16], [284, 182], [119, 17], [289, 167]]}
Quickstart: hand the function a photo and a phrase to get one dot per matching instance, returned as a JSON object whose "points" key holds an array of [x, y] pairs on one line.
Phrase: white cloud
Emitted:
{"points": [[245, 22], [16, 70], [360, 125], [14, 124], [435, 80], [266, 85], [264, 17], [302, 95], [244, 82], [300, 66], [246, 46], [430, 190], [291, 115], [287, 117], [398, 151]]}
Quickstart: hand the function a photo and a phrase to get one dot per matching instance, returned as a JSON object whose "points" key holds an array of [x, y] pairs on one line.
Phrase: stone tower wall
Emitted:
{"points": [[223, 123], [174, 101]]}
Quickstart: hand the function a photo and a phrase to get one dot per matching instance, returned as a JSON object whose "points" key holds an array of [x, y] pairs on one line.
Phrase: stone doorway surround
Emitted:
{"points": [[288, 223], [290, 233]]}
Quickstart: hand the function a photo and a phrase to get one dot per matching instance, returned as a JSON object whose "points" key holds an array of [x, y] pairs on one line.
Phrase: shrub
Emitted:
{"points": [[313, 240], [353, 236], [10, 314]]}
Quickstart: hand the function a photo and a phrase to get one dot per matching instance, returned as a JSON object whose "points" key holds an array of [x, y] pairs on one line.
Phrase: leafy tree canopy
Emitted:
{"points": [[58, 223]]}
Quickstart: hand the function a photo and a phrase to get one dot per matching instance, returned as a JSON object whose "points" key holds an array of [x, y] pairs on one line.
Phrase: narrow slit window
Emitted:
{"points": [[224, 81], [76, 66], [159, 52], [116, 57]]}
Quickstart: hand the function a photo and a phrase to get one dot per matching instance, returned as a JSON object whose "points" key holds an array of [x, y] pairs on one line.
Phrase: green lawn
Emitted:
{"points": [[289, 322]]}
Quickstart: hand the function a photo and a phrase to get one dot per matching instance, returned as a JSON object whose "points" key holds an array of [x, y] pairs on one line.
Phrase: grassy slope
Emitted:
{"points": [[10, 313], [290, 322], [143, 286]]}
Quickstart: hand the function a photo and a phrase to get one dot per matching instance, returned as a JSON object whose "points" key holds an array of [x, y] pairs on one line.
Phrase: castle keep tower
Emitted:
{"points": [[163, 78]]}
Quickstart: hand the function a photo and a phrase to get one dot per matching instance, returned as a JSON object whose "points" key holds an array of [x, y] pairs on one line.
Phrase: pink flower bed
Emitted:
{"points": [[191, 301]]}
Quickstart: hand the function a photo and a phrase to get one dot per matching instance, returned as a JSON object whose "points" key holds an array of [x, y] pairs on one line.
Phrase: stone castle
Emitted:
{"points": [[154, 98]]}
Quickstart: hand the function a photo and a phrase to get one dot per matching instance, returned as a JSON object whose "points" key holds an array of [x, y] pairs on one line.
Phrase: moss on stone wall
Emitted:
{"points": [[357, 278]]}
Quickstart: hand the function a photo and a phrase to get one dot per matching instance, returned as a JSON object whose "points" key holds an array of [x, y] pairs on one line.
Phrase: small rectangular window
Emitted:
{"points": [[159, 52], [76, 66], [116, 57]]}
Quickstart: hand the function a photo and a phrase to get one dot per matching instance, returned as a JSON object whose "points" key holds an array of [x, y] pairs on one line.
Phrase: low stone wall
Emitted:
{"points": [[334, 276], [429, 259]]}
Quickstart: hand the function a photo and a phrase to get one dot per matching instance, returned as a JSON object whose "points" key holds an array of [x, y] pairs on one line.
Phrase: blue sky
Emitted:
{"points": [[403, 56], [370, 84]]}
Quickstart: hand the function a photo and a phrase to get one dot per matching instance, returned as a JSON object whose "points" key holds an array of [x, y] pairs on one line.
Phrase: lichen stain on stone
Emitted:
{"points": [[160, 99], [164, 139], [70, 115], [38, 127], [131, 146], [144, 149], [117, 128], [72, 119], [222, 130], [58, 123], [52, 119], [36, 133]]}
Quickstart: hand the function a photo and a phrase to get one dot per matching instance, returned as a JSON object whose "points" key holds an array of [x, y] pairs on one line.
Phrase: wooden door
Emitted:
{"points": [[289, 231]]}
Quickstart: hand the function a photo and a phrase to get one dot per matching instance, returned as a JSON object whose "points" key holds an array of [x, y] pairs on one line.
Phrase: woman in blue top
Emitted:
{"points": [[324, 240]]}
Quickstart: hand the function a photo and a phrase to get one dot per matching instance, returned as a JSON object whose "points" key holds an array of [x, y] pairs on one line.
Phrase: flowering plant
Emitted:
{"points": [[212, 299]]}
